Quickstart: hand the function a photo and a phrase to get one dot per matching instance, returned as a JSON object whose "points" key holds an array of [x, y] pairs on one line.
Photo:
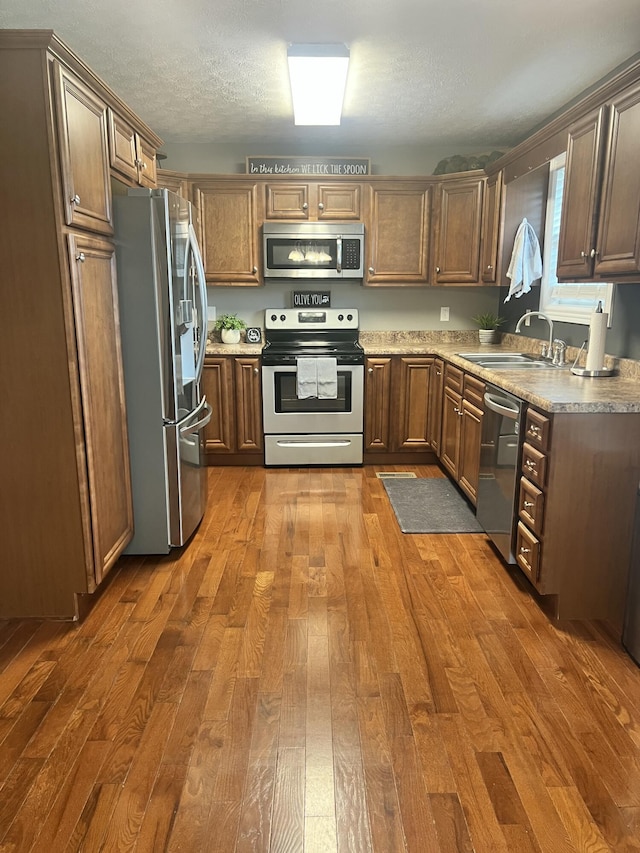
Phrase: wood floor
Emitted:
{"points": [[305, 677]]}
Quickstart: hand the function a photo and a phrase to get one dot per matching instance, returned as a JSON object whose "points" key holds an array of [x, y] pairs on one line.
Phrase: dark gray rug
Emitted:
{"points": [[430, 505]]}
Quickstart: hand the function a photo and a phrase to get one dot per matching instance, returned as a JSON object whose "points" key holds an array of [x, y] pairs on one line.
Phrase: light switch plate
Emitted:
{"points": [[444, 315]]}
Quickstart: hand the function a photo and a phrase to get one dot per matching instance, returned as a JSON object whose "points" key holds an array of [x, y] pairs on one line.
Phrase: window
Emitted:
{"points": [[568, 302]]}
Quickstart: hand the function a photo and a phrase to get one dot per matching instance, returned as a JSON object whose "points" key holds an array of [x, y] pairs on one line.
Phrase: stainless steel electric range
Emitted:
{"points": [[312, 387]]}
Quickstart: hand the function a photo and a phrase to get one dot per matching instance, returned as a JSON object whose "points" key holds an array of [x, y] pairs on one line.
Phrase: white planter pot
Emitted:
{"points": [[230, 336], [489, 336]]}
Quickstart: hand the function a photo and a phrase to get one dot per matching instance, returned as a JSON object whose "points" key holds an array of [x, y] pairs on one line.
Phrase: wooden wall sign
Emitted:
{"points": [[311, 299], [327, 167]]}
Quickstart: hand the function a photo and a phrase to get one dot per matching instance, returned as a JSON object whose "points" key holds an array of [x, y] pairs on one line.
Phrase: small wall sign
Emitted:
{"points": [[312, 299], [254, 335], [328, 167]]}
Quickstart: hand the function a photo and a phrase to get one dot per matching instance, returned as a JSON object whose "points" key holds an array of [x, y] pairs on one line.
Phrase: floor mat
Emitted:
{"points": [[430, 505]]}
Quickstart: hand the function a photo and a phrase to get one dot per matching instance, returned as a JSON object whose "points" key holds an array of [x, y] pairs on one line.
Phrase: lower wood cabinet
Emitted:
{"points": [[462, 413], [576, 504], [398, 396], [232, 385]]}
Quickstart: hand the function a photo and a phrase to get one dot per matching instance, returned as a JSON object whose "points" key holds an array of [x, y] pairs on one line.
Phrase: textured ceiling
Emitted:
{"points": [[430, 72]]}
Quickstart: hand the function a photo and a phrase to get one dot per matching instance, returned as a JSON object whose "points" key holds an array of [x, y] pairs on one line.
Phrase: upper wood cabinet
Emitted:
{"points": [[397, 233], [458, 219], [492, 222], [600, 227], [330, 201], [229, 230], [177, 182], [131, 155], [84, 154]]}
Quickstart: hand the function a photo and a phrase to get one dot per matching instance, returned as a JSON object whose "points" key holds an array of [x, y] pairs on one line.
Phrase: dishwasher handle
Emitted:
{"points": [[502, 405]]}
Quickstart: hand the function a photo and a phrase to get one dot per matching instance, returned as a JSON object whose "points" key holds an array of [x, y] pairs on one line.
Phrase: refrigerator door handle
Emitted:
{"points": [[202, 281], [197, 426]]}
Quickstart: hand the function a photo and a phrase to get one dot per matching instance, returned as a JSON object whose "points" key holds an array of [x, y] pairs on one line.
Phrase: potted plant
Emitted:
{"points": [[230, 326], [489, 324]]}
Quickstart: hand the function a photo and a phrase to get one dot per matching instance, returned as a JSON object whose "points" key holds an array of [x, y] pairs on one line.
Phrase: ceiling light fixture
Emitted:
{"points": [[318, 75]]}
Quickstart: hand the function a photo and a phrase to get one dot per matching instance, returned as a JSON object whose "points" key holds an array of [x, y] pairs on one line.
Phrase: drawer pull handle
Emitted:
{"points": [[524, 550], [530, 466], [528, 504], [535, 430]]}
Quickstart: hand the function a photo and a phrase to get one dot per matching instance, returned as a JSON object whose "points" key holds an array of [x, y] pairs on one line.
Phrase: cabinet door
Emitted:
{"points": [[122, 147], [146, 162], [108, 504], [457, 245], [397, 227], [577, 240], [413, 380], [618, 244], [450, 439], [434, 424], [492, 216], [217, 386], [339, 201], [286, 201], [377, 403], [470, 439], [248, 404], [229, 231], [84, 155]]}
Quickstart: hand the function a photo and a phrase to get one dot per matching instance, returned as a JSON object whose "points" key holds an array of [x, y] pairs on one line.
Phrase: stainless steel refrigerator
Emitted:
{"points": [[163, 318]]}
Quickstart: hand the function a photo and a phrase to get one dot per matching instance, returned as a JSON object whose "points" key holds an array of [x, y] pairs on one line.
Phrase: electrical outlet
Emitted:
{"points": [[444, 315]]}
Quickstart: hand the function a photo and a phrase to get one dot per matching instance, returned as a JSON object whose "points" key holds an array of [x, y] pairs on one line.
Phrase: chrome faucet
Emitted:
{"points": [[548, 352]]}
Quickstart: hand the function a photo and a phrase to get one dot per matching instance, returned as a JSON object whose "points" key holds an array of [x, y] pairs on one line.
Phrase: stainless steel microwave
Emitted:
{"points": [[315, 250]]}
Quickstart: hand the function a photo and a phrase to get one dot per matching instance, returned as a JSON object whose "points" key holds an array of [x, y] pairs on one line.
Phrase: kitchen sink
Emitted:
{"points": [[508, 360]]}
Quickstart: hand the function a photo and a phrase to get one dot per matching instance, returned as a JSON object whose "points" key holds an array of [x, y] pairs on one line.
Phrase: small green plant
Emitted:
{"points": [[229, 321], [488, 320]]}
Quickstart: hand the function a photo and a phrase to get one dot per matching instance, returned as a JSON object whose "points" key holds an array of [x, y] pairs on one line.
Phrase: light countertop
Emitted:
{"points": [[553, 390]]}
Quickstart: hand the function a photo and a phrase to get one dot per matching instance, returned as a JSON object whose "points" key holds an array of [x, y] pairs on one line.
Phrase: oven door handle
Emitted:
{"points": [[501, 405], [303, 442]]}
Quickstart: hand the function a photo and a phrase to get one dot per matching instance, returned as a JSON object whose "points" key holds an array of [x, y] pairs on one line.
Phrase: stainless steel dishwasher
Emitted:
{"points": [[631, 633], [499, 468]]}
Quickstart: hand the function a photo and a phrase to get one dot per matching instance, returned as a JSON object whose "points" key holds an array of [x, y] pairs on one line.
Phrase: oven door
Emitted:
{"points": [[284, 413]]}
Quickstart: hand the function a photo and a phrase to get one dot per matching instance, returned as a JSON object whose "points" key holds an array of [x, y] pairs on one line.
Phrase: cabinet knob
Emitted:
{"points": [[80, 257], [489, 266], [535, 430], [371, 270], [321, 206], [370, 370], [594, 253], [437, 269], [256, 370], [75, 199], [305, 206], [254, 269]]}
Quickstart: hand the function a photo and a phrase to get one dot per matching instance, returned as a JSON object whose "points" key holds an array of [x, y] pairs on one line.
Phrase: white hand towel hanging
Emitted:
{"points": [[327, 378], [306, 378], [526, 262]]}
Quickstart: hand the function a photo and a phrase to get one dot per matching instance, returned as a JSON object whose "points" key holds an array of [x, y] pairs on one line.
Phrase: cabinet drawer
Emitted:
{"points": [[453, 378], [528, 552], [474, 391], [534, 464], [537, 429], [531, 505]]}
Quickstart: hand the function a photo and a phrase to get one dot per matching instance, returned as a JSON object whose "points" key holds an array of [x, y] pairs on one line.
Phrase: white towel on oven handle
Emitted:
{"points": [[306, 378], [327, 373]]}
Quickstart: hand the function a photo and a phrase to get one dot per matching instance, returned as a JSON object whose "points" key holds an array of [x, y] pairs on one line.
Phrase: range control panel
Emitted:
{"points": [[311, 318]]}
